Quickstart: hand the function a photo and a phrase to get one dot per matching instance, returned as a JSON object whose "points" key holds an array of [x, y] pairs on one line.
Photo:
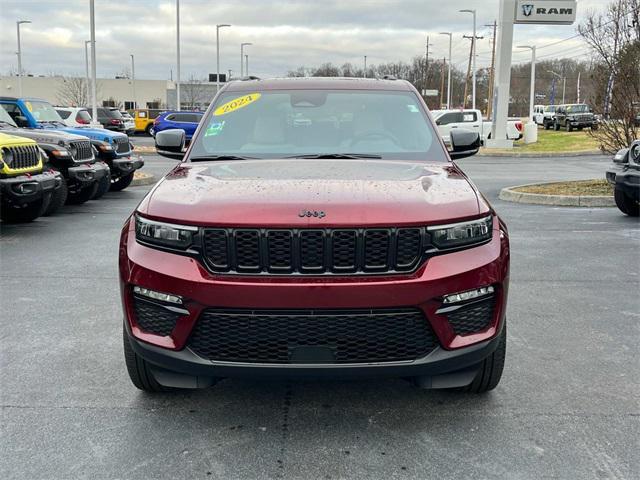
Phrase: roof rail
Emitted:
{"points": [[389, 77], [250, 77]]}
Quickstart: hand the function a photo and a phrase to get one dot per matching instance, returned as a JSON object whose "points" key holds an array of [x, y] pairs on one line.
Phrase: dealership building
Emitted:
{"points": [[117, 92]]}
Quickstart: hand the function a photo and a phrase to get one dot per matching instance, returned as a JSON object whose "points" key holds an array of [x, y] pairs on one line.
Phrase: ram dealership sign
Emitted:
{"points": [[559, 12]]}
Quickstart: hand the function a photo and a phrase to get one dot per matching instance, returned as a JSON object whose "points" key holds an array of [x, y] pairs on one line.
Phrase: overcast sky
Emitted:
{"points": [[286, 34]]}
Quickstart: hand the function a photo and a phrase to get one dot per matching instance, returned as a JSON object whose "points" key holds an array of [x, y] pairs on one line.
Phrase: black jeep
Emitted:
{"points": [[624, 175], [575, 115]]}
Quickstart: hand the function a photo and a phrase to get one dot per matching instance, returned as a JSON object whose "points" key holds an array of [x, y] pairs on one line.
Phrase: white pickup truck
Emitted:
{"points": [[470, 119]]}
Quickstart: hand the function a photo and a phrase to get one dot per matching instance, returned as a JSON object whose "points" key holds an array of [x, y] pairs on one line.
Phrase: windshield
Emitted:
{"points": [[288, 123], [578, 109], [5, 118], [43, 112], [550, 108]]}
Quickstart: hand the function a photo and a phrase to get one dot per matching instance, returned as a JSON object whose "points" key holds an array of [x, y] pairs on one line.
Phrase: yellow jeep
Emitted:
{"points": [[25, 190], [143, 118]]}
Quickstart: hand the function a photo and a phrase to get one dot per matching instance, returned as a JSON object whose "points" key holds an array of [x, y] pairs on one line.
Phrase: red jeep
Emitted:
{"points": [[316, 227]]}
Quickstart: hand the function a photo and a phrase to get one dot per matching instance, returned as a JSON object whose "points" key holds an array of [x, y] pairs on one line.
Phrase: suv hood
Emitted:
{"points": [[93, 133], [349, 192], [45, 136]]}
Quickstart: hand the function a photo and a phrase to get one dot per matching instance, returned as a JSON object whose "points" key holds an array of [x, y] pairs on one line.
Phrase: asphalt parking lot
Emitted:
{"points": [[567, 406]]}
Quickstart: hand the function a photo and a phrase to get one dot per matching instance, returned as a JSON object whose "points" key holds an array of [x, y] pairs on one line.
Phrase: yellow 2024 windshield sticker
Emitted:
{"points": [[236, 103]]}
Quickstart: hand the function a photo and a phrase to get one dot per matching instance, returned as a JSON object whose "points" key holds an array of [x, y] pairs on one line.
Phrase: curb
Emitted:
{"points": [[508, 194], [488, 153], [143, 179]]}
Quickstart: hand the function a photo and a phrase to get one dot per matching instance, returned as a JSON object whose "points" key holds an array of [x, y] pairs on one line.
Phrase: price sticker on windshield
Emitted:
{"points": [[236, 104]]}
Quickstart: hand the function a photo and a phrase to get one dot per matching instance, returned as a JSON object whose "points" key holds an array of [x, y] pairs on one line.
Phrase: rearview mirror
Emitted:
{"points": [[170, 143], [464, 143]]}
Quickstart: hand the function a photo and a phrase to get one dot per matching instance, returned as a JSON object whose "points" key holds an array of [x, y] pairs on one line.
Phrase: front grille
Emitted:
{"points": [[312, 336], [154, 318], [313, 251], [81, 150], [472, 318], [23, 156], [122, 144]]}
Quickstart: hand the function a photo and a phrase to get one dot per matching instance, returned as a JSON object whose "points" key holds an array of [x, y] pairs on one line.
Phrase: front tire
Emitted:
{"points": [[58, 199], [78, 196], [556, 126], [568, 127], [121, 183], [625, 203], [104, 184], [491, 368], [138, 368], [28, 213]]}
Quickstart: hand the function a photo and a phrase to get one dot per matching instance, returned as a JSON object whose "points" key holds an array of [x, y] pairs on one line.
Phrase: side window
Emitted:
{"points": [[142, 114], [447, 118], [12, 109], [64, 114], [171, 117], [194, 118], [469, 117]]}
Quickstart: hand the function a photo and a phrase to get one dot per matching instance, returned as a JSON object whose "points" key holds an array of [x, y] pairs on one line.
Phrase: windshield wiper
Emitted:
{"points": [[7, 123], [53, 122], [220, 157], [336, 155]]}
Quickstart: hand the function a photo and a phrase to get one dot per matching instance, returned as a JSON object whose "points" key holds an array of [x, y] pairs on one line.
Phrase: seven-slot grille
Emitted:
{"points": [[312, 336], [313, 251], [122, 144], [23, 156], [81, 150]]}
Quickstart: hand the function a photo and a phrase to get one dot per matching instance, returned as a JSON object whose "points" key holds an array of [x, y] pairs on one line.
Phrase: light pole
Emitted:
{"points": [[473, 50], [365, 66], [246, 67], [533, 78], [178, 55], [218, 27], [564, 82], [449, 74], [242, 45], [86, 66], [133, 81], [18, 23], [94, 94]]}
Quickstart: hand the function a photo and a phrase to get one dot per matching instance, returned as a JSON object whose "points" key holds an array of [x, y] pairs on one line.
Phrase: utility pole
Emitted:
{"points": [[466, 78], [578, 89], [365, 66], [133, 81], [246, 64], [86, 67], [18, 23], [242, 45], [426, 64], [178, 55], [492, 71], [94, 95], [450, 35], [444, 63]]}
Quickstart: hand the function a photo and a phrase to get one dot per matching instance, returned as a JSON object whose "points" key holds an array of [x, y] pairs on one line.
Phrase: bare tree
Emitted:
{"points": [[193, 92], [614, 37], [73, 92]]}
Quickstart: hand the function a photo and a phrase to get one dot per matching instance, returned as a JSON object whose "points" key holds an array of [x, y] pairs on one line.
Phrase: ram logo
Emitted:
{"points": [[527, 9]]}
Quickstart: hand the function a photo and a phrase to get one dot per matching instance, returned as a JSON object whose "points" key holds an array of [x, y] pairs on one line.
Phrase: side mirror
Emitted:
{"points": [[170, 143], [21, 121], [464, 143]]}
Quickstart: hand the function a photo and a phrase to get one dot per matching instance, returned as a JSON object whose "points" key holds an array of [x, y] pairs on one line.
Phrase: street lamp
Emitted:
{"points": [[133, 81], [218, 27], [246, 67], [365, 66], [242, 45], [94, 93], [564, 82], [18, 23], [178, 55], [449, 74], [473, 49], [86, 66], [533, 78]]}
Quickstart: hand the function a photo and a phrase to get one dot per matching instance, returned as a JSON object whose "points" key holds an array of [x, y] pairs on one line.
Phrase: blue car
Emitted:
{"points": [[187, 121], [113, 148]]}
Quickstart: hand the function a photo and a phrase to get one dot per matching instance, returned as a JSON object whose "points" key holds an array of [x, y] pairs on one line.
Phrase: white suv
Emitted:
{"points": [[77, 117]]}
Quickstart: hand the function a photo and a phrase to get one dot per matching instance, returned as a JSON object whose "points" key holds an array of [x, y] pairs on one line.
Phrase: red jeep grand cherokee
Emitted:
{"points": [[316, 227]]}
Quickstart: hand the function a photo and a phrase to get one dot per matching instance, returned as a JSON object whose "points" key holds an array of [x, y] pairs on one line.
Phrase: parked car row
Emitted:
{"points": [[568, 117], [44, 163]]}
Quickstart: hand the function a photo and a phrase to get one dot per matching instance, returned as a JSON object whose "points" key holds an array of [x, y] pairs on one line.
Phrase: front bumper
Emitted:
{"points": [[124, 166], [88, 173], [581, 123], [625, 179], [153, 269], [26, 189]]}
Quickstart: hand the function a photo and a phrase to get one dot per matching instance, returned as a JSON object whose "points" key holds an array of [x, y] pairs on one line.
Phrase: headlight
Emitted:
{"points": [[164, 234], [60, 152], [105, 147], [461, 234], [7, 156]]}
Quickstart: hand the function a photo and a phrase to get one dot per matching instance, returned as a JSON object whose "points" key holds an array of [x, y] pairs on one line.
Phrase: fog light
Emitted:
{"points": [[468, 295], [164, 297]]}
